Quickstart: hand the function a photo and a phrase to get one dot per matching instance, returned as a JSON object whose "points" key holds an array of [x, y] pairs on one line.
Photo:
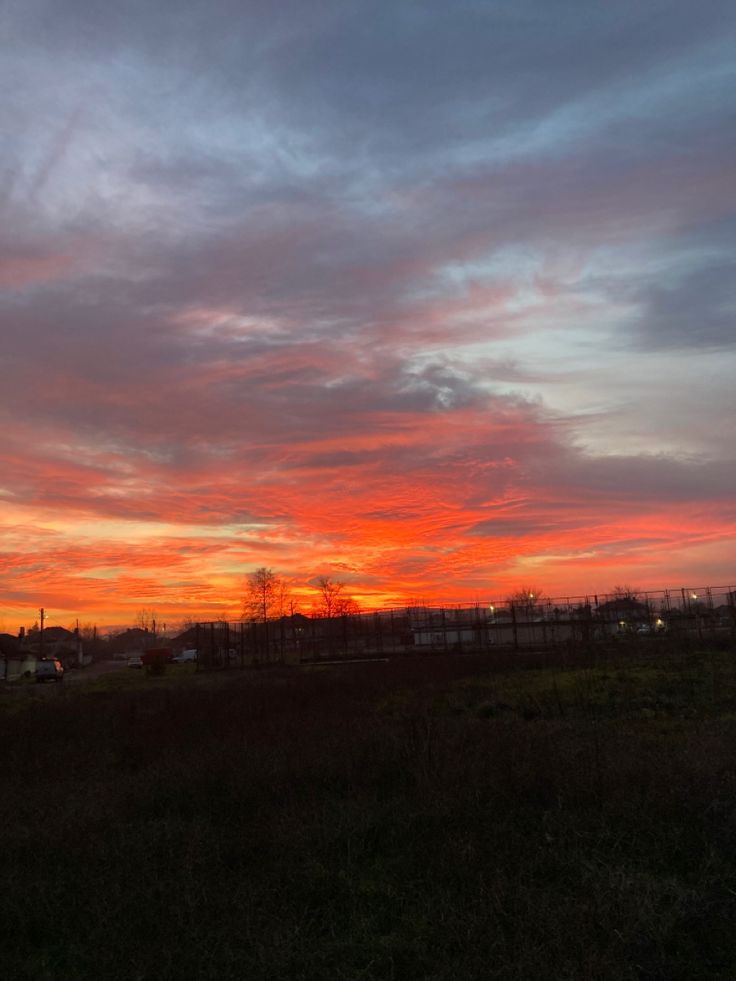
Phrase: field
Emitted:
{"points": [[438, 818]]}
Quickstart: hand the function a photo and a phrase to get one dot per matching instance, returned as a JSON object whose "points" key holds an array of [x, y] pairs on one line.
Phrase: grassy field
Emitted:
{"points": [[436, 818]]}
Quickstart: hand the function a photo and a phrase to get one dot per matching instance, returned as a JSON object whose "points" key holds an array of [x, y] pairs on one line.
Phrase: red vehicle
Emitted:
{"points": [[156, 657]]}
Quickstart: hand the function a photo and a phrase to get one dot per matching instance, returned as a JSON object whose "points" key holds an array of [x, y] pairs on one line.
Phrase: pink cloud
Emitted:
{"points": [[19, 271]]}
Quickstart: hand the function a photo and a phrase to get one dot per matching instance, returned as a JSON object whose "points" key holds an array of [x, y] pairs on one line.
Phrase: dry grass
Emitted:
{"points": [[422, 819]]}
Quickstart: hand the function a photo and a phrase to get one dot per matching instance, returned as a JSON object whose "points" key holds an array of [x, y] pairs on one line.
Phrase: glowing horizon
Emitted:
{"points": [[437, 302]]}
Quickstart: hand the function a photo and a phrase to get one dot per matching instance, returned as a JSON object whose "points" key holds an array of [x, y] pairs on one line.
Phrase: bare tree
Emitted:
{"points": [[266, 596], [625, 593], [284, 600], [333, 601], [348, 606], [526, 598], [93, 640], [145, 619], [88, 631]]}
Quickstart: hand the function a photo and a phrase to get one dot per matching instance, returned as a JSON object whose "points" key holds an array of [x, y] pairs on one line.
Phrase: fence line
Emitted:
{"points": [[526, 622]]}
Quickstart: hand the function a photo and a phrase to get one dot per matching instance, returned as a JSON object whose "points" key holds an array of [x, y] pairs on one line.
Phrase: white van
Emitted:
{"points": [[184, 657]]}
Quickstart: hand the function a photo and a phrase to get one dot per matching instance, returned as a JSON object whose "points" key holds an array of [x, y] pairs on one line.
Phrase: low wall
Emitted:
{"points": [[13, 668]]}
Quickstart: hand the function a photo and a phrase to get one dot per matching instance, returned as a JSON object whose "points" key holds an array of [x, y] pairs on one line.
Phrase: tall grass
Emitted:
{"points": [[435, 819]]}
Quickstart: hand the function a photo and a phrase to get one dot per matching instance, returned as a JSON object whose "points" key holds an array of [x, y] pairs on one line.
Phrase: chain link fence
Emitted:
{"points": [[526, 623]]}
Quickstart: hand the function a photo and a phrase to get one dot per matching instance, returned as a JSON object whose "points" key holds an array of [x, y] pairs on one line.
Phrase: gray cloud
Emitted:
{"points": [[697, 311], [337, 247]]}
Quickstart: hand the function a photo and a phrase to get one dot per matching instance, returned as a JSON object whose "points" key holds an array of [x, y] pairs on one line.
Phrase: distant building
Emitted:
{"points": [[133, 641], [625, 614]]}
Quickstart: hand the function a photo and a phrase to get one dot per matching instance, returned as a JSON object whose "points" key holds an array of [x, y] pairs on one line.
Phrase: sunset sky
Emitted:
{"points": [[436, 298]]}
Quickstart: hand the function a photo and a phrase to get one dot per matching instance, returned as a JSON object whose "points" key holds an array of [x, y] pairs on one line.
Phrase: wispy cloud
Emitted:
{"points": [[424, 297]]}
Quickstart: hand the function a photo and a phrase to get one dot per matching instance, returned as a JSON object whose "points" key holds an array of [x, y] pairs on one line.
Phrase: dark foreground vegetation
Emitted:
{"points": [[427, 818]]}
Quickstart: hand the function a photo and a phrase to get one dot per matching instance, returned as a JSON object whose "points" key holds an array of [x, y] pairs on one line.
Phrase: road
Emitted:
{"points": [[77, 678], [82, 676]]}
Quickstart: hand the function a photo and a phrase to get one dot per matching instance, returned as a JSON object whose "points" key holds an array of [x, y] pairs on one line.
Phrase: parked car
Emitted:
{"points": [[184, 657], [135, 662], [49, 669]]}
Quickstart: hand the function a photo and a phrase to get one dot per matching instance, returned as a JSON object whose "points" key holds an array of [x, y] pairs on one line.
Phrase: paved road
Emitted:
{"points": [[76, 677], [81, 676]]}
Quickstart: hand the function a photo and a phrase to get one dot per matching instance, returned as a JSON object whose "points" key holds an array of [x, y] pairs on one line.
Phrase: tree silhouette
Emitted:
{"points": [[266, 595], [526, 598], [625, 593], [333, 602]]}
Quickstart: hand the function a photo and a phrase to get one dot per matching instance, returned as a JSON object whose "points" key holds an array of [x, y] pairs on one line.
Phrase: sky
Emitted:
{"points": [[436, 299]]}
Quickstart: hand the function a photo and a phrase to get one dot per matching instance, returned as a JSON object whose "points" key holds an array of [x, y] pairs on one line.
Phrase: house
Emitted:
{"points": [[725, 615], [66, 645], [625, 614], [14, 660], [132, 641]]}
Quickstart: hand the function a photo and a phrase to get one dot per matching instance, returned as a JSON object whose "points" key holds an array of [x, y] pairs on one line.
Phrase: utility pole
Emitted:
{"points": [[40, 640]]}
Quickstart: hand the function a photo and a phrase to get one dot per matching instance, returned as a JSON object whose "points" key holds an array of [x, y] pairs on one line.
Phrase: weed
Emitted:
{"points": [[420, 819]]}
